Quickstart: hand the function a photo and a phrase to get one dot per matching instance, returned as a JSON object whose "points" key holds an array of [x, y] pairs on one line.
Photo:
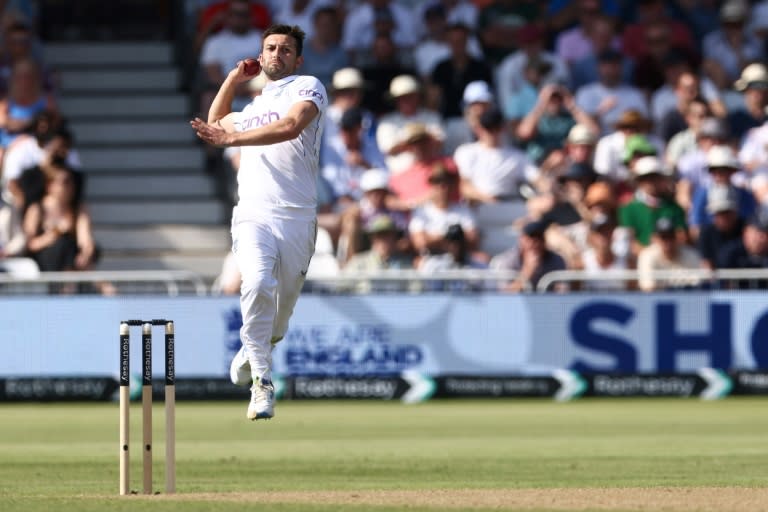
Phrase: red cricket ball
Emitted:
{"points": [[251, 67]]}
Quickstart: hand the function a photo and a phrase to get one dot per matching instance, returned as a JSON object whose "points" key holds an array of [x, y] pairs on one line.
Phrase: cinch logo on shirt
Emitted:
{"points": [[313, 93], [260, 120]]}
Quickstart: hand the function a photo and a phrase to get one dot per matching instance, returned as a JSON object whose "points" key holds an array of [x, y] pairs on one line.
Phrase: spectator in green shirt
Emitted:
{"points": [[653, 199]]}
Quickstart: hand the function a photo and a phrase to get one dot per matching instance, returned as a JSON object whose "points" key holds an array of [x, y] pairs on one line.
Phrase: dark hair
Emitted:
{"points": [[325, 11], [294, 31]]}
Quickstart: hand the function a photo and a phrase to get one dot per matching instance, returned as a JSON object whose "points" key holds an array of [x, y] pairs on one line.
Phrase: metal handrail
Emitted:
{"points": [[550, 278], [413, 275], [171, 278]]}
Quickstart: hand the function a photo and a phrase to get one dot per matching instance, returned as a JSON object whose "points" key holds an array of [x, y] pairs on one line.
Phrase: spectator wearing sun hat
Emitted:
{"points": [[753, 85], [406, 91], [631, 131], [650, 202]]}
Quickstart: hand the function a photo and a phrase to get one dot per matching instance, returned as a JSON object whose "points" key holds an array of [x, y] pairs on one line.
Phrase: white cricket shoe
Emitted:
{"points": [[262, 405], [240, 369]]}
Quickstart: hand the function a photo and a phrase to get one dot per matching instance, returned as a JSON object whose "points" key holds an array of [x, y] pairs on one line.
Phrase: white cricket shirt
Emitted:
{"points": [[282, 175]]}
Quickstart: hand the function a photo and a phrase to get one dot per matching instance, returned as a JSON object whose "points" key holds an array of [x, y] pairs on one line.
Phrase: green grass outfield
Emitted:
{"points": [[65, 456]]}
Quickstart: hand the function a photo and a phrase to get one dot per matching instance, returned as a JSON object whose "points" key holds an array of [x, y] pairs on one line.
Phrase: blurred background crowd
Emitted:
{"points": [[518, 135]]}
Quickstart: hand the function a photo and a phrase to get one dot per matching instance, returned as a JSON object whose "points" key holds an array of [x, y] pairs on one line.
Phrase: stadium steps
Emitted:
{"points": [[152, 203]]}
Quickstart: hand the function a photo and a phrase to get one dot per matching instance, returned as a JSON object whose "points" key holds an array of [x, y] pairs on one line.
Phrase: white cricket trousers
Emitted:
{"points": [[273, 252]]}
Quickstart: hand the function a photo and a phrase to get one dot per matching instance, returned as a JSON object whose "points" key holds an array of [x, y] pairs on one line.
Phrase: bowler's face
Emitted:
{"points": [[278, 57]]}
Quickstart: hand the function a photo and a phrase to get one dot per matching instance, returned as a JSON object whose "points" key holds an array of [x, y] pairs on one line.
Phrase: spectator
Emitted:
{"points": [[722, 166], [407, 94], [602, 37], [669, 106], [215, 17], [608, 98], [45, 142], [383, 255], [347, 89], [547, 125], [651, 202], [632, 135], [221, 51], [498, 24], [376, 193], [531, 258], [430, 221], [692, 167], [511, 71], [653, 12], [323, 54], [58, 228], [751, 250], [726, 226], [454, 11], [411, 186], [349, 156], [26, 98], [731, 47], [492, 170], [573, 44], [666, 253], [387, 62], [684, 141], [579, 148], [304, 14], [372, 18], [12, 238], [662, 57], [451, 75], [477, 98], [18, 45], [524, 98], [753, 85], [457, 256], [601, 256]]}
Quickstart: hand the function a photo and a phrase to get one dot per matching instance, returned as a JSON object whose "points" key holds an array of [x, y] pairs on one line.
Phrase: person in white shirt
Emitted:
{"points": [[608, 98], [490, 170], [274, 223]]}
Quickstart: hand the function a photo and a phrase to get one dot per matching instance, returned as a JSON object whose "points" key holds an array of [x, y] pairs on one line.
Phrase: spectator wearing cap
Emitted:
{"points": [[579, 148], [384, 254], [602, 36], [751, 250], [323, 54], [608, 98], [726, 227], [406, 91], [499, 23], [510, 73], [374, 184], [666, 253], [477, 98], [386, 62], [685, 141], [722, 166], [451, 75], [692, 167], [632, 137], [370, 18], [670, 102], [411, 185], [492, 170], [650, 202], [753, 86], [347, 89], [434, 46], [531, 258], [730, 48], [430, 221], [547, 125]]}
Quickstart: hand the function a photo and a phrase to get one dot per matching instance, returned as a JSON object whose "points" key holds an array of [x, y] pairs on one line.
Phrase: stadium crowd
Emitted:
{"points": [[534, 136]]}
